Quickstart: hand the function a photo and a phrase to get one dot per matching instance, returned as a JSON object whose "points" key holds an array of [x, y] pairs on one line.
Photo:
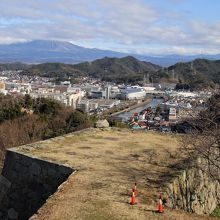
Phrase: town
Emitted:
{"points": [[147, 106]]}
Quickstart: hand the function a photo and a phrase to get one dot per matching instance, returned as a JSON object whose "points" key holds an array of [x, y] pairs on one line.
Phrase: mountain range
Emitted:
{"points": [[201, 73], [42, 51], [122, 70]]}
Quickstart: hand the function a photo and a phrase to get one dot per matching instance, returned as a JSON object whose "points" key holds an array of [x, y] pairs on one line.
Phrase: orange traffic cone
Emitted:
{"points": [[133, 198], [160, 206], [135, 189]]}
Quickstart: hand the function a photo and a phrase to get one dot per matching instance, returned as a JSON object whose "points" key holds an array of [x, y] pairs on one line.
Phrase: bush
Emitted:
{"points": [[50, 119], [47, 106], [117, 124], [78, 120]]}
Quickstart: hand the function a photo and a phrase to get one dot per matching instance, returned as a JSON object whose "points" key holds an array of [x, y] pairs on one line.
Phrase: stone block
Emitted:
{"points": [[35, 169], [12, 214], [102, 124], [4, 182], [4, 186], [65, 170], [33, 181]]}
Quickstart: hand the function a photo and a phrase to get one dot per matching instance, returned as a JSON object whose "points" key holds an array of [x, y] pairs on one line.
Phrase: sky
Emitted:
{"points": [[150, 27]]}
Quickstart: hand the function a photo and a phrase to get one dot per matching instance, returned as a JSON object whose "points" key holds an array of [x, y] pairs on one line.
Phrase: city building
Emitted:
{"points": [[64, 94], [83, 105], [2, 86], [107, 92], [132, 93], [172, 113], [97, 94], [15, 87]]}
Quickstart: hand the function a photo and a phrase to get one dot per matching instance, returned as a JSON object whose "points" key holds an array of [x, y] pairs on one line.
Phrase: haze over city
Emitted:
{"points": [[141, 26]]}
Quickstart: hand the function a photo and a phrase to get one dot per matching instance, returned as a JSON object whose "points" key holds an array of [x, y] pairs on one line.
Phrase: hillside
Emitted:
{"points": [[13, 66], [25, 120], [197, 73], [127, 69], [59, 70], [200, 73]]}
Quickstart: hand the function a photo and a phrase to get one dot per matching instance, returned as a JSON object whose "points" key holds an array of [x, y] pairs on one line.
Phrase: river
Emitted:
{"points": [[124, 116]]}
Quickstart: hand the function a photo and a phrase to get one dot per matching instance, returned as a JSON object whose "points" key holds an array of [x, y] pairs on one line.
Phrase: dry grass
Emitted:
{"points": [[108, 164]]}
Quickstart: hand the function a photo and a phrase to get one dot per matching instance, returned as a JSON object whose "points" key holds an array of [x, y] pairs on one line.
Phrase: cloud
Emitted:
{"points": [[176, 1], [123, 24]]}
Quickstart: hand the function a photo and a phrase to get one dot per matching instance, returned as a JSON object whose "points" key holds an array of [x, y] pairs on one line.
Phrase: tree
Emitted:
{"points": [[28, 101], [50, 119], [77, 120], [204, 140], [47, 106]]}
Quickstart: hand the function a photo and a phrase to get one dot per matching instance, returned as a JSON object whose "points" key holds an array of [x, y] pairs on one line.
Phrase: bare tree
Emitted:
{"points": [[204, 139]]}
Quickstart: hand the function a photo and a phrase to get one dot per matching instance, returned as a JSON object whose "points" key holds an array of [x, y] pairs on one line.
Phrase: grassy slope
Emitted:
{"points": [[108, 163]]}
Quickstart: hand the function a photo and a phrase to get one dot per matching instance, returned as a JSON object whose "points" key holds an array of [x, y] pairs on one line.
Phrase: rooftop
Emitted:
{"points": [[108, 162]]}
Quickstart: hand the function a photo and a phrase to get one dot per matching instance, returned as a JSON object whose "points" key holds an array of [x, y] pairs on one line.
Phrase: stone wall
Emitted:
{"points": [[193, 190], [26, 183]]}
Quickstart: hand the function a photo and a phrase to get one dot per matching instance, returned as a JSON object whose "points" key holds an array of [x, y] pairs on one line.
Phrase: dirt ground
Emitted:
{"points": [[108, 163]]}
